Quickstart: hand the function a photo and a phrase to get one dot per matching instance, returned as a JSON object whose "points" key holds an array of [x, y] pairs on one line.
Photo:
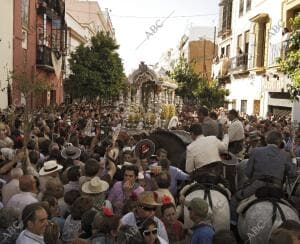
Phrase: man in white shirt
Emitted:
{"points": [[203, 150], [235, 132], [35, 221], [27, 195]]}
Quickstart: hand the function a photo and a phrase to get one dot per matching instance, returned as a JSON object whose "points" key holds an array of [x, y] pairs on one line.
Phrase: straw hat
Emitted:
{"points": [[148, 198], [70, 152], [50, 167], [94, 186]]}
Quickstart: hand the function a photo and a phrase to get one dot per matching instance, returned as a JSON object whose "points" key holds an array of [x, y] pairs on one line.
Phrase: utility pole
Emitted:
{"points": [[204, 57], [215, 31]]}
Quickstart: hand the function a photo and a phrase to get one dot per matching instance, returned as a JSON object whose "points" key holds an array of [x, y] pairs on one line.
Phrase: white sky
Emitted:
{"points": [[131, 32]]}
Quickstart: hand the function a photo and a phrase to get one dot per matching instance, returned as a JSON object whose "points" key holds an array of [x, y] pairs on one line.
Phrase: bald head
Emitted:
{"points": [[27, 183]]}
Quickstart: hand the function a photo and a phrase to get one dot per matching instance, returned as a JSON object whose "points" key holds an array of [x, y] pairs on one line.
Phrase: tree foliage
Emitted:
{"points": [[28, 86], [291, 63], [210, 94], [196, 88], [96, 69], [186, 78]]}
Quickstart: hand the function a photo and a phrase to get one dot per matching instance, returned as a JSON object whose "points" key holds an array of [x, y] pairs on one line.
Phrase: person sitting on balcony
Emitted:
{"points": [[285, 40]]}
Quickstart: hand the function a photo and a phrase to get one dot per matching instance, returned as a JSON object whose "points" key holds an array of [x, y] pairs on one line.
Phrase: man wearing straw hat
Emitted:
{"points": [[49, 171], [147, 205], [96, 188]]}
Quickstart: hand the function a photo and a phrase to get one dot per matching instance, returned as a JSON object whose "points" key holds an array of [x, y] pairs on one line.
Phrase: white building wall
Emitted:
{"points": [[6, 48], [77, 34], [253, 86]]}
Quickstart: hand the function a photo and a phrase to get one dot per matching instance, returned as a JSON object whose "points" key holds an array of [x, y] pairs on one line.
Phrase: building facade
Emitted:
{"points": [[76, 35], [89, 15], [250, 40], [6, 50], [201, 55], [84, 19], [198, 47], [39, 37]]}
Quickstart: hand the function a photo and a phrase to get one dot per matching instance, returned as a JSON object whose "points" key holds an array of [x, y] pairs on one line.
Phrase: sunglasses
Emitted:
{"points": [[148, 208], [148, 232]]}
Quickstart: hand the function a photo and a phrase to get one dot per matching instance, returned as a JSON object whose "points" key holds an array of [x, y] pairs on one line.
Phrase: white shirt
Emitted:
{"points": [[203, 151], [10, 189], [27, 237], [21, 200], [236, 131]]}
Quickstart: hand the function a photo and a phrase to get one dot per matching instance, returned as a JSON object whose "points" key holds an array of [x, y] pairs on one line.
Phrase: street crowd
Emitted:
{"points": [[81, 178]]}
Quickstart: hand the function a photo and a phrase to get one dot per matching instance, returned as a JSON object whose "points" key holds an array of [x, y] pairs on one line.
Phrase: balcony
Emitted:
{"points": [[224, 33], [220, 68], [239, 64], [43, 58], [49, 8]]}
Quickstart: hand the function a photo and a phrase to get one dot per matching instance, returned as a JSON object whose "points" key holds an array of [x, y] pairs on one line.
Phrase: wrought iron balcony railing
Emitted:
{"points": [[239, 63], [43, 56]]}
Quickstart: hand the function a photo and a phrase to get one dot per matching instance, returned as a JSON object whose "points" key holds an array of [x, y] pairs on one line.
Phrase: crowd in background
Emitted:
{"points": [[76, 181]]}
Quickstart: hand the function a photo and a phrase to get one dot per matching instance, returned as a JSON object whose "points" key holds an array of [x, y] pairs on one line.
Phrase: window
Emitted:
{"points": [[247, 37], [261, 40], [25, 10], [243, 106], [222, 52], [241, 10], [228, 51], [256, 107], [24, 39], [225, 16], [56, 35], [239, 44], [248, 5]]}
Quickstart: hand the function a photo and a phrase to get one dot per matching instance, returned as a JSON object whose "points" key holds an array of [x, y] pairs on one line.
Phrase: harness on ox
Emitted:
{"points": [[266, 193], [207, 187]]}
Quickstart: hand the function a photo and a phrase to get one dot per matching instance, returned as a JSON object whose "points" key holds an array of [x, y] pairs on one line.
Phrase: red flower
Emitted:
{"points": [[107, 212], [166, 200]]}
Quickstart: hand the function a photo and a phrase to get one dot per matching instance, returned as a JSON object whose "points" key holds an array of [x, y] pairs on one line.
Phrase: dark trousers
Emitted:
{"points": [[242, 194]]}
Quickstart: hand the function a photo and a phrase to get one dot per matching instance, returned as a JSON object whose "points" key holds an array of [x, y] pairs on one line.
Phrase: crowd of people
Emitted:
{"points": [[78, 181]]}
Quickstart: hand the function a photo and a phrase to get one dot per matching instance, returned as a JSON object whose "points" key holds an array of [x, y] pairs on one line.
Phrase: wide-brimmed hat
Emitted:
{"points": [[8, 153], [50, 167], [148, 198], [144, 148], [95, 186], [70, 152]]}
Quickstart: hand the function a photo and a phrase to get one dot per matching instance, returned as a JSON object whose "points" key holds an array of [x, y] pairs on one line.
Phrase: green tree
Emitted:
{"points": [[28, 87], [210, 94], [96, 70], [196, 88], [186, 78], [290, 64]]}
